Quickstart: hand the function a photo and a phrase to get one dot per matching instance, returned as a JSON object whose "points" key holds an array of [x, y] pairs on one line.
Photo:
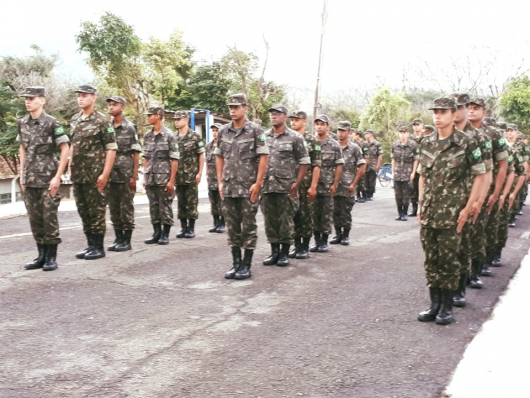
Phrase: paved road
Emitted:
{"points": [[162, 321]]}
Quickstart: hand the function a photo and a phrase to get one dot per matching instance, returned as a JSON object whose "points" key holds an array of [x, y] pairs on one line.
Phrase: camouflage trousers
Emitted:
{"points": [[463, 254], [91, 206], [519, 200], [414, 192], [502, 231], [240, 220], [402, 193], [42, 212], [323, 214], [370, 179], [160, 204], [215, 202], [473, 244], [442, 265], [188, 201], [303, 218], [491, 228], [342, 207], [121, 206], [278, 214], [361, 186]]}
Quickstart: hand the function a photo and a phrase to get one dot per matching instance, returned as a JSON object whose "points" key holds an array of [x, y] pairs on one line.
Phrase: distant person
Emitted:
{"points": [[404, 164], [361, 185], [418, 129], [213, 188], [374, 151]]}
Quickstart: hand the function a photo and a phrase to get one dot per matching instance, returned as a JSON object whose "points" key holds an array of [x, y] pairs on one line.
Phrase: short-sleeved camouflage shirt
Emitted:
{"points": [[353, 158], [331, 158], [127, 141], [516, 157], [498, 148], [159, 150], [191, 146], [373, 151], [211, 173], [315, 155], [40, 138], [404, 156]]}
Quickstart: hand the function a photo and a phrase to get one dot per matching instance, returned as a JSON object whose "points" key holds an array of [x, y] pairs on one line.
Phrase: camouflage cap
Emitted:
{"points": [[35, 91], [443, 103], [490, 121], [502, 125], [181, 114], [428, 127], [478, 101], [216, 125], [359, 133], [511, 126], [237, 99], [323, 118], [278, 108], [369, 131], [417, 121], [461, 99], [344, 125], [87, 89], [298, 115], [403, 128], [515, 126], [118, 99], [155, 110]]}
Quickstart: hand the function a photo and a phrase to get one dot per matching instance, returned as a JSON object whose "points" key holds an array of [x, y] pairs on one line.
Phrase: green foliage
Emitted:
{"points": [[515, 103], [11, 108], [340, 114]]}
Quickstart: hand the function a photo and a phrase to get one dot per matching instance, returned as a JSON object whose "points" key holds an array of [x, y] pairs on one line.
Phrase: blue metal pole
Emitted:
{"points": [[208, 131], [192, 118]]}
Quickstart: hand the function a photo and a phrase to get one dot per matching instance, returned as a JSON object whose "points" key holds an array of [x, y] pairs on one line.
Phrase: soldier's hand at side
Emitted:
{"points": [[462, 219], [220, 187], [254, 192], [510, 201], [311, 194], [476, 209], [294, 191], [491, 202], [170, 188], [102, 182], [197, 179], [412, 178], [332, 190], [502, 199], [55, 183], [352, 190], [132, 185]]}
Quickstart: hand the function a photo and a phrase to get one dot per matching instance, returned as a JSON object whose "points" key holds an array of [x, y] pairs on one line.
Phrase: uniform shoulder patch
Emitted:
{"points": [[477, 153], [262, 137], [520, 159], [136, 137], [305, 144], [59, 130], [502, 141], [200, 144], [318, 148], [176, 145], [487, 145], [510, 159], [110, 130]]}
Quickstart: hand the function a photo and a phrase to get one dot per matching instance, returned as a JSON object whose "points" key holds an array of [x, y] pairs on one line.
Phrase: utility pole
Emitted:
{"points": [[317, 90]]}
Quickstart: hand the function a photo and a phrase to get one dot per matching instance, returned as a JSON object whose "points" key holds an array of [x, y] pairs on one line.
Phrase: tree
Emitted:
{"points": [[515, 102], [11, 108]]}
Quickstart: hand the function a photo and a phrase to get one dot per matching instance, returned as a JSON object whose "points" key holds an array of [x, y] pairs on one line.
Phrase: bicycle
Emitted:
{"points": [[384, 176]]}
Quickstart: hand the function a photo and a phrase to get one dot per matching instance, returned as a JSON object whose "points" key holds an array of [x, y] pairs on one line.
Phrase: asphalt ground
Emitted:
{"points": [[161, 321]]}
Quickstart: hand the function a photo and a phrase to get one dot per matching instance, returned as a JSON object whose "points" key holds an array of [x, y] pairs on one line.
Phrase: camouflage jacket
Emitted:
{"points": [[40, 138], [287, 150], [498, 148], [516, 157], [373, 151], [353, 158], [127, 141], [404, 156], [331, 158], [159, 149], [417, 140], [240, 150], [191, 146], [523, 149], [91, 138], [211, 173], [315, 155], [446, 166]]}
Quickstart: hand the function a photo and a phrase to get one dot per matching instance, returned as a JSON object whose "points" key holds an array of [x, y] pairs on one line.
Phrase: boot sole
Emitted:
{"points": [[49, 269], [443, 321], [94, 258], [242, 277], [459, 304]]}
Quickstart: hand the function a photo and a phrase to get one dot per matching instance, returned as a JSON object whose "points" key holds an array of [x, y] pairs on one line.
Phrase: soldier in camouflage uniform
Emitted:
{"points": [[287, 166], [520, 163], [374, 152], [307, 192], [418, 129], [160, 161], [122, 186], [39, 136], [241, 164], [361, 185], [524, 151], [191, 147], [344, 199], [428, 129], [213, 188], [92, 156], [447, 159], [404, 166], [330, 172]]}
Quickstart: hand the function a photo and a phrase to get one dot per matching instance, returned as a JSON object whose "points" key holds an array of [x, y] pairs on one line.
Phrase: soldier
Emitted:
{"points": [[361, 185], [344, 199], [213, 189], [428, 129], [373, 163], [279, 199], [92, 156], [160, 161], [241, 163], [122, 186], [191, 149], [39, 135], [447, 159], [404, 166], [303, 219], [418, 129], [328, 182], [517, 151]]}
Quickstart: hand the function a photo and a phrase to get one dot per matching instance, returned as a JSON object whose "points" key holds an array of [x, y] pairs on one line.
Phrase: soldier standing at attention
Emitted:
{"points": [[328, 182], [213, 188], [520, 172], [447, 159], [123, 176], [191, 161], [375, 159], [92, 156], [428, 129], [404, 165], [418, 130], [241, 163], [361, 185], [344, 199], [307, 192], [39, 135], [161, 156], [287, 166]]}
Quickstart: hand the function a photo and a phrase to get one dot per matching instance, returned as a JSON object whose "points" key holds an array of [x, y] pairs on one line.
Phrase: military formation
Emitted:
{"points": [[463, 178]]}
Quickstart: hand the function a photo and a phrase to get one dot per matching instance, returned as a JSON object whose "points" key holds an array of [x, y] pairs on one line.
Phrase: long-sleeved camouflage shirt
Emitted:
{"points": [[353, 158], [404, 156], [331, 158], [159, 149], [373, 151], [191, 146], [211, 171], [127, 140]]}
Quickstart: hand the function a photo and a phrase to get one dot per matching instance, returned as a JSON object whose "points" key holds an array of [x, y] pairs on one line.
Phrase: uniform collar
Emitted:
{"points": [[457, 137], [39, 120], [92, 116]]}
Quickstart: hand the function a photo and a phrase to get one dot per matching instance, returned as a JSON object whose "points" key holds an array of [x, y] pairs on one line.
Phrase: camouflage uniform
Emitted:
{"points": [[522, 150], [415, 181], [159, 150], [361, 185], [518, 151], [404, 156], [373, 151], [211, 177], [287, 150]]}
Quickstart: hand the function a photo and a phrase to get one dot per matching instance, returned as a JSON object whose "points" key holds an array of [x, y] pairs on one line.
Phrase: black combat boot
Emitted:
{"points": [[184, 228], [303, 253], [244, 270], [283, 259], [429, 315], [125, 243], [486, 271], [345, 240], [98, 251], [323, 246], [400, 213], [445, 315], [404, 213], [496, 260], [157, 228], [222, 227], [361, 198], [314, 248], [296, 249], [81, 254], [275, 253], [117, 241], [215, 224], [338, 236], [459, 299], [40, 260], [474, 278], [164, 236], [51, 258], [511, 223], [236, 263], [414, 211], [190, 232]]}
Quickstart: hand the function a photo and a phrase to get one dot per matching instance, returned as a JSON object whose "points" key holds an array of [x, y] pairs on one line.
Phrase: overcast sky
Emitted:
{"points": [[366, 42]]}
